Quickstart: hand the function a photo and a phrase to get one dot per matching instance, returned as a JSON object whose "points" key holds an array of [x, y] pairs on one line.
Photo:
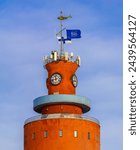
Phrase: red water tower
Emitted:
{"points": [[61, 125]]}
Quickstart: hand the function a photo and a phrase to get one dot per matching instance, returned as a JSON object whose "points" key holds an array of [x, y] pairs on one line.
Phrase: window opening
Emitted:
{"points": [[75, 133], [88, 135], [33, 136], [60, 133], [45, 134]]}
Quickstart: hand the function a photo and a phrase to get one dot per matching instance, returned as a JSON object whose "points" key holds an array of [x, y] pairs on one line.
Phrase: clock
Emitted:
{"points": [[74, 80], [56, 79]]}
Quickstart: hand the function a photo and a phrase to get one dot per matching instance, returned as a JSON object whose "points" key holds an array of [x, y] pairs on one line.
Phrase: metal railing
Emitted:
{"points": [[62, 115], [54, 56]]}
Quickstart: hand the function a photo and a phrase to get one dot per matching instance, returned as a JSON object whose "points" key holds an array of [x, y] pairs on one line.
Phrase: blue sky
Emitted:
{"points": [[27, 33]]}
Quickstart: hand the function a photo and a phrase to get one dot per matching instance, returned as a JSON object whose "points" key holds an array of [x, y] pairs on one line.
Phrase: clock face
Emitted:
{"points": [[74, 80], [56, 79]]}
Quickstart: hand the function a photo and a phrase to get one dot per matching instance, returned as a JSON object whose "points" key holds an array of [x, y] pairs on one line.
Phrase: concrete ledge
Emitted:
{"points": [[80, 101]]}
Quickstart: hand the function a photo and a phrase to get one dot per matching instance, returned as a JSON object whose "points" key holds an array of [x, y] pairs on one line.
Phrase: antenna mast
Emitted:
{"points": [[61, 18], [61, 44]]}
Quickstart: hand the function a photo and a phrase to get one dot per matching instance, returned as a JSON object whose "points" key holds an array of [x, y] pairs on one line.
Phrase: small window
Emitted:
{"points": [[88, 135], [97, 138], [60, 133], [33, 136], [45, 134], [75, 133]]}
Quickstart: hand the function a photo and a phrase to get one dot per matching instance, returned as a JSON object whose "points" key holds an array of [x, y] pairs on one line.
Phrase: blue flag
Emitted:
{"points": [[72, 34]]}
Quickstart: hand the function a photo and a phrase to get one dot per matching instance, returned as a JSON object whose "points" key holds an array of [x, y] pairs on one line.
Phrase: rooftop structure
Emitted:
{"points": [[60, 125]]}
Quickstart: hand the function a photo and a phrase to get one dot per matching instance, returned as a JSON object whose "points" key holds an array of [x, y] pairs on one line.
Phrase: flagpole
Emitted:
{"points": [[61, 42], [61, 18]]}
